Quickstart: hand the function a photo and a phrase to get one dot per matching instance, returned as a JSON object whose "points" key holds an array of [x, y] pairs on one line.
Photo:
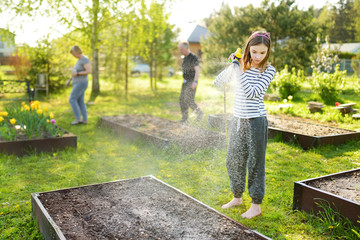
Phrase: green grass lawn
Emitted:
{"points": [[102, 156]]}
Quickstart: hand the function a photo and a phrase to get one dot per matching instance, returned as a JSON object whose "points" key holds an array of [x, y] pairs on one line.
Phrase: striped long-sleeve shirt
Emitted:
{"points": [[250, 90]]}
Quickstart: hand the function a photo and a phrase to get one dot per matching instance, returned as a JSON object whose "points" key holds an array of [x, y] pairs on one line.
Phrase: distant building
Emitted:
{"points": [[344, 47], [7, 45], [198, 34], [350, 65]]}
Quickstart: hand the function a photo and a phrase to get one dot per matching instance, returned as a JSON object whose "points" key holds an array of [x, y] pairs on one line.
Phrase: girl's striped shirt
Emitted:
{"points": [[250, 90]]}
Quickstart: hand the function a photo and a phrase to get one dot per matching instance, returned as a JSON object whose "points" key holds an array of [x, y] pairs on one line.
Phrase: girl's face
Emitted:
{"points": [[258, 53]]}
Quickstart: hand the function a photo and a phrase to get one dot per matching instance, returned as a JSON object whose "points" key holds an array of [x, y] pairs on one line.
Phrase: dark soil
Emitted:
{"points": [[141, 208], [291, 124], [304, 127], [346, 186], [179, 133]]}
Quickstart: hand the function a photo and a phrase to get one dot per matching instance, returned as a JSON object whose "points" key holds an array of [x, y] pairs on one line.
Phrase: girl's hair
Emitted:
{"points": [[76, 49], [257, 38]]}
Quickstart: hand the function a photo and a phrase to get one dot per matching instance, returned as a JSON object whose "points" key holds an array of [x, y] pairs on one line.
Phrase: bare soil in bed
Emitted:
{"points": [[141, 208], [346, 186], [176, 131], [181, 133], [305, 127]]}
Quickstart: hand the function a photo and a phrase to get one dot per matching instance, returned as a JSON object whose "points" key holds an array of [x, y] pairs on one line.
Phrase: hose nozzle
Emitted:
{"points": [[237, 56]]}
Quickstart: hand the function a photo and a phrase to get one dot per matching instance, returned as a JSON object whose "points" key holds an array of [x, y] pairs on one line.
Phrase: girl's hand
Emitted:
{"points": [[232, 57]]}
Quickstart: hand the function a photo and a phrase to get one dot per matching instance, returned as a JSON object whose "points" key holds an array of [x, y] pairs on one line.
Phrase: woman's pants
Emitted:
{"points": [[76, 99]]}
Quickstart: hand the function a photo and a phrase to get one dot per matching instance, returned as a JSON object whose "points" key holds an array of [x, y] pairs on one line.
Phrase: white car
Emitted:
{"points": [[141, 68]]}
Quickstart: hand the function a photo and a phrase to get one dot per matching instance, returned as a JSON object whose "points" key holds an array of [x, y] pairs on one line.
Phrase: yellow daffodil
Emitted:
{"points": [[51, 115], [1, 119], [47, 120], [46, 109], [13, 121], [23, 103], [39, 111], [5, 114], [26, 107], [35, 105]]}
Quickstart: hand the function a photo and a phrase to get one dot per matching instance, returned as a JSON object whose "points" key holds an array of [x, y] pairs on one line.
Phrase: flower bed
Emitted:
{"points": [[140, 208], [341, 190], [28, 128]]}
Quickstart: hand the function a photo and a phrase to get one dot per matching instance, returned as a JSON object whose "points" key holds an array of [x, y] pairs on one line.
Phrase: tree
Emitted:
{"points": [[293, 33], [88, 17], [357, 20], [343, 16], [228, 31], [157, 39]]}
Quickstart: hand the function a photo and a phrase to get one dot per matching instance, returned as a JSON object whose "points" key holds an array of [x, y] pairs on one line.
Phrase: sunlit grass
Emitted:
{"points": [[102, 156]]}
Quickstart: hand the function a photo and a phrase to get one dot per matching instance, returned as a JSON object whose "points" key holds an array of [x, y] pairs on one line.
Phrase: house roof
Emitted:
{"points": [[197, 34], [344, 47]]}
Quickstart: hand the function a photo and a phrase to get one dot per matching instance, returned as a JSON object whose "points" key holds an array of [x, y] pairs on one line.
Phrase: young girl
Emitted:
{"points": [[247, 146]]}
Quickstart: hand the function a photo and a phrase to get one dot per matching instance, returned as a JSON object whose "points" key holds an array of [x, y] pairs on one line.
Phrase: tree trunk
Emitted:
{"points": [[274, 58], [94, 45], [126, 75], [151, 74], [155, 75]]}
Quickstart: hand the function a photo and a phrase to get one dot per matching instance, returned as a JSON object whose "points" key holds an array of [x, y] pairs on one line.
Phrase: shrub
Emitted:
{"points": [[288, 83], [328, 85]]}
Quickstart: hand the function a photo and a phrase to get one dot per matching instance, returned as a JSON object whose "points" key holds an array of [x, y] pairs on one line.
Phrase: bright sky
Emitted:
{"points": [[185, 14]]}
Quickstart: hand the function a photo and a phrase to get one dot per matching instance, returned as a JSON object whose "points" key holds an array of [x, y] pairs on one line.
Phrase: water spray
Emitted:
{"points": [[236, 64]]}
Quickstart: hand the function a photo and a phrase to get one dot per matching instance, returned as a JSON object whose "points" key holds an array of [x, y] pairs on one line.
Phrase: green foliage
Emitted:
{"points": [[288, 83], [346, 55], [338, 226], [355, 64], [328, 85], [344, 18], [293, 33], [2, 75], [229, 30], [41, 59]]}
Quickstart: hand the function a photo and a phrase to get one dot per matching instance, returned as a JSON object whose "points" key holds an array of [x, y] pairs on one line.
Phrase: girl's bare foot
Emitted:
{"points": [[232, 203], [253, 211]]}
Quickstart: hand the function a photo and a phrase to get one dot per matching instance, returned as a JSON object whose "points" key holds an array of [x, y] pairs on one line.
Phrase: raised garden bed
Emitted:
{"points": [[217, 121], [163, 132], [341, 190], [140, 208], [22, 146], [305, 133]]}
